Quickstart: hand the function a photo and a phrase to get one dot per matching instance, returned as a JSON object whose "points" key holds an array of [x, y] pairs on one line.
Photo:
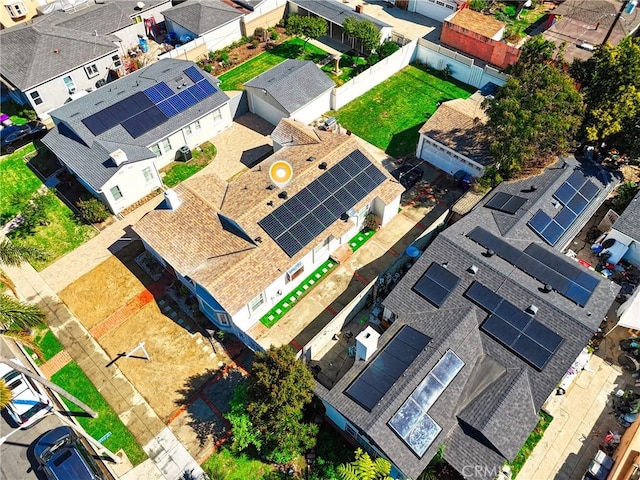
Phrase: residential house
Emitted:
{"points": [[583, 24], [452, 138], [626, 232], [262, 14], [335, 13], [435, 9], [60, 54], [479, 35], [480, 331], [294, 89], [16, 12], [239, 247], [217, 23], [115, 140]]}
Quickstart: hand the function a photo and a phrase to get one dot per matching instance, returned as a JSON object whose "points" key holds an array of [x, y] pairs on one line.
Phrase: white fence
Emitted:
{"points": [[373, 76], [189, 51]]}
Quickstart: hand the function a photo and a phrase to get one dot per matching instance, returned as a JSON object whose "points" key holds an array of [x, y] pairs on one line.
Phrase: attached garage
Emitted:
{"points": [[446, 159], [436, 9], [293, 89]]}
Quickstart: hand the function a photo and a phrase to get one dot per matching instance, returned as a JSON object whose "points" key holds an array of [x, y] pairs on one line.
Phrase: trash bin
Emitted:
{"points": [[184, 154]]}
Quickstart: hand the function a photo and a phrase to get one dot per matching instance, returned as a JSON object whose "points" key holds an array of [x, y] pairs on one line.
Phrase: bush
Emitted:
{"points": [[387, 48], [373, 59], [371, 222], [258, 33], [224, 56], [478, 5], [625, 193], [93, 209], [212, 56], [273, 33], [490, 179], [254, 43], [208, 68]]}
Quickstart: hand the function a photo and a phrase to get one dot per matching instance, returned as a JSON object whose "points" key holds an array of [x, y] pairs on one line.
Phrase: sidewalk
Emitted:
{"points": [[168, 459]]}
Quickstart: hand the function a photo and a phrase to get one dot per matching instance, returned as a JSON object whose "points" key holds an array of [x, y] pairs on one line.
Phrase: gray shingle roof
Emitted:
{"points": [[32, 54], [335, 11], [87, 154], [201, 16], [489, 409], [629, 221], [293, 83]]}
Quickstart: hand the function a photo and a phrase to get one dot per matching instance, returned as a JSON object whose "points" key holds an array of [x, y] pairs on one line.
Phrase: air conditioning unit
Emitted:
{"points": [[294, 272]]}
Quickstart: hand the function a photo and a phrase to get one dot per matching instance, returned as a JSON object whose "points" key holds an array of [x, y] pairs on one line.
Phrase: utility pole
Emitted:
{"points": [[615, 20]]}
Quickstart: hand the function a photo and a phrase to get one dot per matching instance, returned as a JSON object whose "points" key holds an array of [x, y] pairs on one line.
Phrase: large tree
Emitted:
{"points": [[535, 115], [362, 30], [278, 390], [610, 81], [306, 27], [364, 468]]}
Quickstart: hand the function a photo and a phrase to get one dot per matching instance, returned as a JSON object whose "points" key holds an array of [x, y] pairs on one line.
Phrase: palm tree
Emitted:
{"points": [[17, 316], [364, 468], [13, 255]]}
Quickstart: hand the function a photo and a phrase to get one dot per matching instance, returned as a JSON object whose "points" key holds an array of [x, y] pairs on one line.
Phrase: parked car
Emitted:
{"points": [[16, 136], [29, 403], [62, 456], [408, 175]]}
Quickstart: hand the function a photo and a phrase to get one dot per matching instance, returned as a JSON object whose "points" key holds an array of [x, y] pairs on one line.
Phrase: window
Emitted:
{"points": [[256, 302], [16, 9], [116, 193], [450, 7], [137, 19], [35, 96], [68, 81], [196, 125], [223, 318], [166, 145], [91, 70], [156, 150], [117, 63], [294, 272], [148, 175], [217, 116], [440, 3], [187, 130]]}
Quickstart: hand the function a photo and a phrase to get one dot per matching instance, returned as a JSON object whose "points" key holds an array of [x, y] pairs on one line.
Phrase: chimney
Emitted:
{"points": [[118, 157], [171, 197], [366, 344], [359, 8]]}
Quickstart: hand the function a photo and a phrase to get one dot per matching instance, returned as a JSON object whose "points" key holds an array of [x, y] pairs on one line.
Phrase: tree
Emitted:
{"points": [[244, 433], [306, 27], [362, 30], [17, 315], [535, 115], [364, 468], [277, 391], [13, 255], [610, 80]]}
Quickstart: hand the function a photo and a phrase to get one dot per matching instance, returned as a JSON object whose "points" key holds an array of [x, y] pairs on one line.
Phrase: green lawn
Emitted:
{"points": [[234, 79], [18, 114], [390, 115], [17, 182], [180, 171], [223, 465], [72, 378], [48, 343], [532, 441], [349, 68]]}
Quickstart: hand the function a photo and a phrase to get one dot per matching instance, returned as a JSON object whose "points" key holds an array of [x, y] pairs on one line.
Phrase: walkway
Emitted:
{"points": [[168, 457]]}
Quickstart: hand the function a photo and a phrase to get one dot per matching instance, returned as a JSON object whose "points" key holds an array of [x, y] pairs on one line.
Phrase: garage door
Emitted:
{"points": [[435, 9], [265, 110], [444, 162]]}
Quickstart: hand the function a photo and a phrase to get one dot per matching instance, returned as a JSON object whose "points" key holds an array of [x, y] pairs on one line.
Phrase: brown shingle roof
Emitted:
{"points": [[477, 22], [192, 240]]}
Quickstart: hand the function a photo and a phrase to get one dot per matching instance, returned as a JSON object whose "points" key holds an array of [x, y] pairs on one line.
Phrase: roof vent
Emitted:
{"points": [[323, 166], [489, 253], [472, 269], [445, 264], [258, 239], [283, 195], [271, 187], [532, 309], [171, 197], [270, 203], [311, 159], [118, 156], [547, 288], [140, 5]]}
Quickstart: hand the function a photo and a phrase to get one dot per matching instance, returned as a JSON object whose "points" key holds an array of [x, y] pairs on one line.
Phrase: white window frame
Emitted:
{"points": [[16, 9], [165, 145], [155, 148], [196, 125], [148, 175], [187, 130], [222, 318], [257, 302], [91, 70], [69, 83], [117, 62], [217, 116], [117, 191], [35, 96]]}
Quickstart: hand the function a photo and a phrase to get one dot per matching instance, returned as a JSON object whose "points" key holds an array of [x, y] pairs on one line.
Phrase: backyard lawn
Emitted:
{"points": [[390, 115], [107, 424], [234, 79], [177, 172]]}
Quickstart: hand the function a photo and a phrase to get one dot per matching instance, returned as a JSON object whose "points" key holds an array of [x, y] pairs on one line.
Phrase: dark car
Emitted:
{"points": [[16, 136], [62, 456], [408, 175]]}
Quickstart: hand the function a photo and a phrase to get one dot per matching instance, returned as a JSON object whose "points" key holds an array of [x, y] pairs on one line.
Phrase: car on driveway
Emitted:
{"points": [[29, 403], [62, 456], [408, 175], [16, 136]]}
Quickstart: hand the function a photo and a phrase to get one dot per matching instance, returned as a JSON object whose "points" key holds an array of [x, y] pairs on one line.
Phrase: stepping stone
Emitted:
{"points": [[161, 302], [293, 299], [353, 244], [305, 287], [278, 311], [206, 348], [285, 305], [298, 292], [330, 265], [174, 314], [212, 355], [199, 341], [311, 282], [324, 270], [271, 317], [318, 275], [167, 308], [180, 321]]}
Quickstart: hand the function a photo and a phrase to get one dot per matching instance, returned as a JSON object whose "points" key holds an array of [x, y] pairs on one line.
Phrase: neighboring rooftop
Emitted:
{"points": [[336, 12], [629, 221], [202, 16], [485, 25], [293, 83]]}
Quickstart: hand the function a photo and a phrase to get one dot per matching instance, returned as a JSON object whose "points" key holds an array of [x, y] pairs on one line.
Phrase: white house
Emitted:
{"points": [[626, 233], [452, 140], [117, 138], [294, 89], [435, 9], [240, 247]]}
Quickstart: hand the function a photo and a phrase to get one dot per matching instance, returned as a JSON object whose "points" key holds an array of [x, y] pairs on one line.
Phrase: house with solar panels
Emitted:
{"points": [[480, 332], [115, 140], [238, 246]]}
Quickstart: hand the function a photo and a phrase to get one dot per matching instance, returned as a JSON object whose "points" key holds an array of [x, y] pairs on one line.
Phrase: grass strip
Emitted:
{"points": [[360, 239], [532, 441]]}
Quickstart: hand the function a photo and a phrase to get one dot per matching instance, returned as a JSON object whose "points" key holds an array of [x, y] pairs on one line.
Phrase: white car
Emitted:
{"points": [[29, 403]]}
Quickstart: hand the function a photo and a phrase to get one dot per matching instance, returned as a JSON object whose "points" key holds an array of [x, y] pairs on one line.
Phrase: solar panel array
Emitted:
{"points": [[574, 194], [411, 422], [144, 111], [390, 363], [514, 328], [568, 280], [506, 203], [294, 224], [436, 284]]}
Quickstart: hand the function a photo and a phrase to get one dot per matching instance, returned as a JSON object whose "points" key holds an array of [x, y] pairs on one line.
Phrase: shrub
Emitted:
{"points": [[208, 68], [224, 56], [625, 194], [258, 33], [371, 222], [273, 33], [373, 59], [212, 56], [478, 5], [490, 179], [387, 48], [254, 43], [93, 209]]}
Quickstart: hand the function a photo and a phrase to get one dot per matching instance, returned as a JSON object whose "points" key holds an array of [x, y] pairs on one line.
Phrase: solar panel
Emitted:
{"points": [[589, 190], [197, 92], [207, 88], [552, 233], [194, 74], [565, 193], [188, 98], [110, 116], [436, 284], [577, 204], [388, 366], [272, 223], [411, 422], [144, 122], [516, 330], [154, 95], [168, 109], [565, 218], [576, 180], [289, 243], [546, 227], [506, 203]]}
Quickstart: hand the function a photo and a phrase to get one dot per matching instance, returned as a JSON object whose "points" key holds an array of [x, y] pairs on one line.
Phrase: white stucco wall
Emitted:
{"points": [[314, 109], [446, 159], [259, 104], [432, 8], [131, 182], [224, 35], [178, 29]]}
